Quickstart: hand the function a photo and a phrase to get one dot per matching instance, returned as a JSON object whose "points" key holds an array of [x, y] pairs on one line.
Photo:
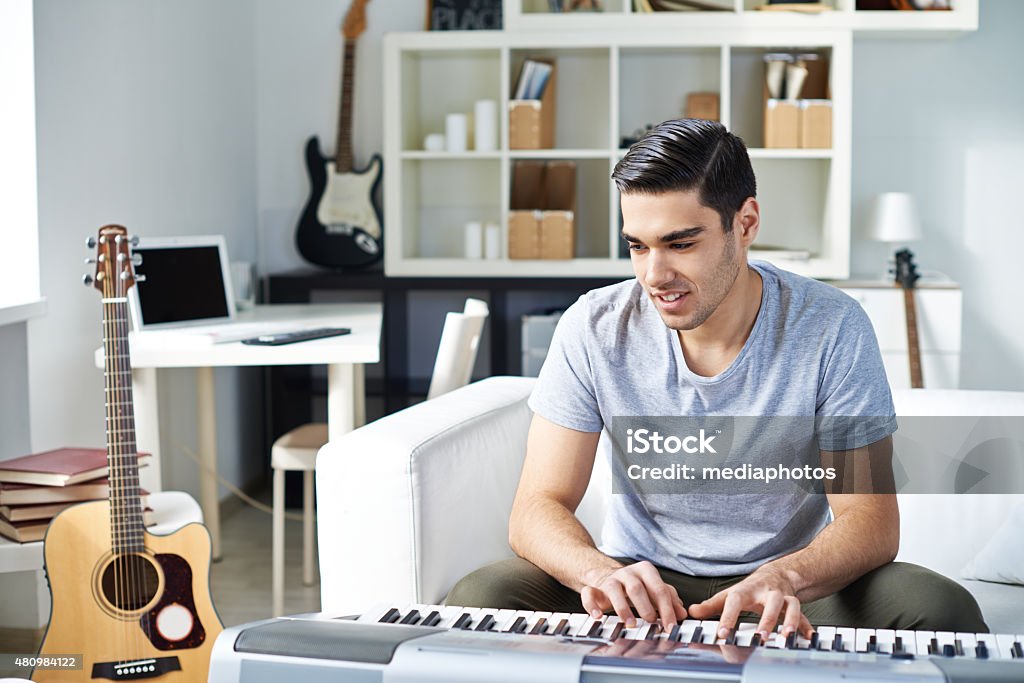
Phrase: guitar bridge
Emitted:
{"points": [[135, 670]]}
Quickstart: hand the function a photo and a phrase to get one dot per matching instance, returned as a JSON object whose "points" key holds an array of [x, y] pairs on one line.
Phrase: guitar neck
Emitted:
{"points": [[913, 346], [126, 522], [343, 153]]}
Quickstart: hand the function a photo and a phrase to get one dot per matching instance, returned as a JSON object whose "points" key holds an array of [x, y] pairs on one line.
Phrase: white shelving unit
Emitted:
{"points": [[609, 83], [534, 15]]}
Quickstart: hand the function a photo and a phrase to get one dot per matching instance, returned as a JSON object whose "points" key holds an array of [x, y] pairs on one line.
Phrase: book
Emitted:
{"points": [[59, 467], [21, 513], [533, 78], [35, 530], [26, 494]]}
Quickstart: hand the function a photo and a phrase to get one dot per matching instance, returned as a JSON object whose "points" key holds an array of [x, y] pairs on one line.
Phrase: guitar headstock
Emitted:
{"points": [[115, 264], [906, 271], [355, 20]]}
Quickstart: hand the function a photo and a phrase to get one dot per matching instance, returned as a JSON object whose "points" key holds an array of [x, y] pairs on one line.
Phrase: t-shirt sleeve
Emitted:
{"points": [[854, 401], [564, 393]]}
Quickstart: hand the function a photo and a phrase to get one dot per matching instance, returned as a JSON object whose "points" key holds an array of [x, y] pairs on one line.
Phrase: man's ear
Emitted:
{"points": [[747, 221]]}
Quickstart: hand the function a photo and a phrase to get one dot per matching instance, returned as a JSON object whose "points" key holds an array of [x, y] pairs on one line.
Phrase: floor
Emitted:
{"points": [[240, 581]]}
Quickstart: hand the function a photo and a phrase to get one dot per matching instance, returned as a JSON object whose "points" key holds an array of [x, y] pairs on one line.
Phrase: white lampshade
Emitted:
{"points": [[894, 218]]}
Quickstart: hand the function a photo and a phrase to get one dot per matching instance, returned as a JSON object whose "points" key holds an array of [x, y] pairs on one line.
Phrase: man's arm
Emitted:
{"points": [[543, 529], [864, 535]]}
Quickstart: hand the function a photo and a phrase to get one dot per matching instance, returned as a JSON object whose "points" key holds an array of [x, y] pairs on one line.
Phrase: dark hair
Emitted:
{"points": [[690, 154]]}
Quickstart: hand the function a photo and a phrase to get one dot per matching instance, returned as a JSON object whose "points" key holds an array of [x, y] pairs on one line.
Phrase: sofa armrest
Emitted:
{"points": [[410, 503]]}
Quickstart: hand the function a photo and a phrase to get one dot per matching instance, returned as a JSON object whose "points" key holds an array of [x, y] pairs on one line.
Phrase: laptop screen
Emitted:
{"points": [[183, 284]]}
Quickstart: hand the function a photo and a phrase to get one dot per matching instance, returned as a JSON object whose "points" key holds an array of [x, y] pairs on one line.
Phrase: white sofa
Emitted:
{"points": [[412, 502]]}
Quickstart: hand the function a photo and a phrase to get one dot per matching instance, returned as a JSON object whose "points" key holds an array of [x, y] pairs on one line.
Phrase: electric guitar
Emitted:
{"points": [[340, 225], [133, 604], [906, 276]]}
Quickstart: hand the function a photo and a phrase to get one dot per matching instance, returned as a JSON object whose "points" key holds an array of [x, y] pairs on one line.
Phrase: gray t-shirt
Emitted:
{"points": [[812, 352]]}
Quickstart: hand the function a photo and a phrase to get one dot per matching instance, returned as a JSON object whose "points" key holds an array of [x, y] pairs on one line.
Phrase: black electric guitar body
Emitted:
{"points": [[340, 226]]}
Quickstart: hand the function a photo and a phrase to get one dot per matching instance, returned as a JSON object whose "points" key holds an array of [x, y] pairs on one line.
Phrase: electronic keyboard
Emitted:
{"points": [[425, 643]]}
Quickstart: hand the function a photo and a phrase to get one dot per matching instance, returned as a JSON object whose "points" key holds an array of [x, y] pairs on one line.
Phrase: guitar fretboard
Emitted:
{"points": [[913, 345], [343, 154]]}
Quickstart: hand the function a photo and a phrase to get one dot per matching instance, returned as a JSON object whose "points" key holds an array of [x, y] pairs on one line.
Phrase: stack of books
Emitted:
{"points": [[34, 488]]}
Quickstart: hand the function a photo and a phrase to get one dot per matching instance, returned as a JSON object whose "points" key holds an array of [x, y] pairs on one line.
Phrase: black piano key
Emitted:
{"points": [[958, 647], [522, 627], [1017, 651], [432, 619], [755, 640], [538, 628], [595, 629], [390, 617], [560, 628], [872, 644], [617, 631], [948, 650], [731, 638], [933, 647], [837, 643], [411, 618], [652, 630], [898, 645], [814, 640], [463, 621], [698, 634], [673, 635], [520, 621], [981, 651], [791, 641], [486, 624]]}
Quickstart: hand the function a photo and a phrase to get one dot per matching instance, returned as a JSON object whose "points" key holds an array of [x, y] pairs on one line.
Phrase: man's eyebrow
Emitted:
{"points": [[675, 235]]}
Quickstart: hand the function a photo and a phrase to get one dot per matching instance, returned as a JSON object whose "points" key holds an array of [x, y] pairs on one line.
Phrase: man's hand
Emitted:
{"points": [[767, 592], [637, 586]]}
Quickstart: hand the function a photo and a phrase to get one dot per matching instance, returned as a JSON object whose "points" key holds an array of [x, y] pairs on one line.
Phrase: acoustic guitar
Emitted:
{"points": [[134, 604], [340, 226], [907, 277]]}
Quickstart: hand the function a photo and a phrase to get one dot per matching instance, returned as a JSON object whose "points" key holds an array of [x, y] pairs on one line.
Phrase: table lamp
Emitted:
{"points": [[894, 219]]}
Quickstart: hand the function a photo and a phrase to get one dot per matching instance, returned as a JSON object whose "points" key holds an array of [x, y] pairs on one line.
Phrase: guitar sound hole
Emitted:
{"points": [[130, 582]]}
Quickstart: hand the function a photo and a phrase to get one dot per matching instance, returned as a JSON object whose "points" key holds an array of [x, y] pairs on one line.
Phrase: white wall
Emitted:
{"points": [[944, 119], [146, 117]]}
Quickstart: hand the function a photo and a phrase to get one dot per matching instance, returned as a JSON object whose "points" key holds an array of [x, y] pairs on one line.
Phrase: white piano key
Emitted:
{"points": [[776, 641], [687, 629], [862, 639], [886, 638], [909, 641], [576, 623], [849, 637], [555, 619], [710, 634], [801, 642], [503, 618], [924, 639], [826, 634], [1006, 641], [945, 638], [992, 644], [744, 633], [647, 630], [609, 626], [968, 642]]}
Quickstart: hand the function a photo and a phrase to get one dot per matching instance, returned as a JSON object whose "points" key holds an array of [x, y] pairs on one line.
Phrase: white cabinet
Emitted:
{"points": [[939, 310], [609, 84]]}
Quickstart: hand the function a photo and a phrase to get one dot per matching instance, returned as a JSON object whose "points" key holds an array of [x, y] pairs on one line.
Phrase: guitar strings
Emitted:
{"points": [[111, 479]]}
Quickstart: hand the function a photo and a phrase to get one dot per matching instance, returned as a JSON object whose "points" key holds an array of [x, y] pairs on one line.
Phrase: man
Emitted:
{"points": [[700, 332]]}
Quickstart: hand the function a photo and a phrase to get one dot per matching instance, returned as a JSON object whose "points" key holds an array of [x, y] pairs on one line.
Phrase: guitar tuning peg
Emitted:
{"points": [[136, 260], [87, 280], [140, 278], [90, 261], [134, 240], [90, 242]]}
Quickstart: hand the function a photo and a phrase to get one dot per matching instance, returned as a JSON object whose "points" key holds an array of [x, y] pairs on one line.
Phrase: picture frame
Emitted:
{"points": [[464, 15]]}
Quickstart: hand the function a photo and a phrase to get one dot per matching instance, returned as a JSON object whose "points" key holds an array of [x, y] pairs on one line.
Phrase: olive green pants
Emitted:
{"points": [[895, 596]]}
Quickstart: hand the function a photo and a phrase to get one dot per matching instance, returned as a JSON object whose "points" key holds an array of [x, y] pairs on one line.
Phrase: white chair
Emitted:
{"points": [[297, 449]]}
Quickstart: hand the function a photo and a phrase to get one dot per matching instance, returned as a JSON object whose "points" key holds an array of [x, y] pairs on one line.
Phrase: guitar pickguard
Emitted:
{"points": [[173, 623], [346, 205]]}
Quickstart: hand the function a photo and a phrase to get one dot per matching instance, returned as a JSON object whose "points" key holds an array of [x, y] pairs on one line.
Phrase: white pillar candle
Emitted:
{"points": [[455, 132], [473, 243], [485, 125], [492, 241]]}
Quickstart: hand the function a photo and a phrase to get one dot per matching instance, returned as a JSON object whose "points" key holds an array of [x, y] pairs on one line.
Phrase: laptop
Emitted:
{"points": [[188, 288]]}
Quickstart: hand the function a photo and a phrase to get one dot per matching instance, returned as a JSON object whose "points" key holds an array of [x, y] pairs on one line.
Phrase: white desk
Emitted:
{"points": [[184, 348]]}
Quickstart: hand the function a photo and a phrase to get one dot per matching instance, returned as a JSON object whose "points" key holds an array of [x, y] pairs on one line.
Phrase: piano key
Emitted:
{"points": [[1018, 649], [968, 643], [958, 647], [826, 637], [744, 633], [944, 638], [463, 621], [560, 624], [519, 621], [617, 630], [487, 623], [933, 647], [448, 614], [374, 614], [1006, 641], [991, 645], [924, 641], [432, 619], [577, 622], [539, 627], [849, 638], [710, 633], [673, 635], [980, 651], [815, 640], [412, 618], [865, 640], [837, 643], [948, 650], [802, 643], [596, 627], [789, 643], [731, 638], [531, 619], [908, 641], [885, 639], [698, 635], [686, 629], [391, 616], [755, 640]]}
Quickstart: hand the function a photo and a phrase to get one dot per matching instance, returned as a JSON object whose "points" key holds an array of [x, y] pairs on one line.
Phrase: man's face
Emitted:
{"points": [[681, 255]]}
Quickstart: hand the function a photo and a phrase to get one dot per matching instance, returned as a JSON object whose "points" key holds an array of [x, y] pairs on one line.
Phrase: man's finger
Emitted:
{"points": [[680, 607], [710, 607], [773, 604], [805, 627], [665, 598], [734, 603], [791, 622], [636, 589], [619, 602], [594, 601]]}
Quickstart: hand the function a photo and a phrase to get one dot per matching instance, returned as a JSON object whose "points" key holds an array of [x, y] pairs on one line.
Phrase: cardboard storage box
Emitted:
{"points": [[531, 123], [781, 124], [542, 219], [816, 124]]}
